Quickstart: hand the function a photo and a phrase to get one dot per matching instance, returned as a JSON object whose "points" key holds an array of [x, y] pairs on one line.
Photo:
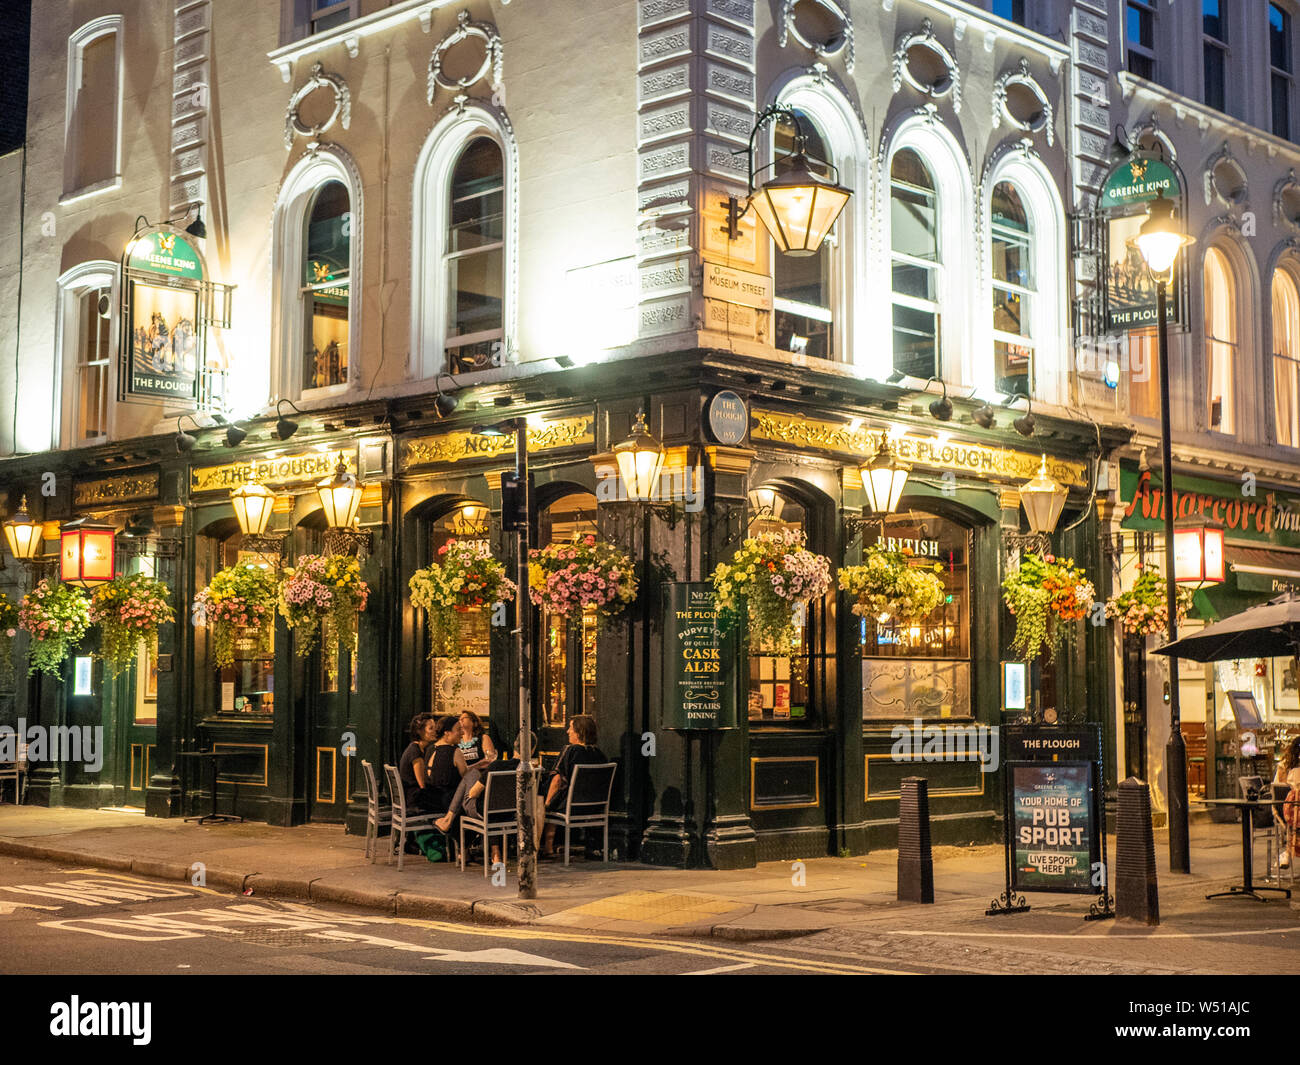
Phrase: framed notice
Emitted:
{"points": [[1054, 827], [699, 661]]}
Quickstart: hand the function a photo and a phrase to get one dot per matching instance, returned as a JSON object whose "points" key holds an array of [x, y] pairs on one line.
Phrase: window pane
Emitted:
{"points": [[92, 129], [1286, 359], [1011, 10], [1011, 255], [1012, 363], [1221, 360], [1212, 21], [1279, 38], [916, 341], [1215, 64], [1140, 26], [1141, 65], [913, 221], [1281, 106], [914, 280], [475, 292], [1142, 371], [477, 198], [327, 288], [778, 691], [93, 339]]}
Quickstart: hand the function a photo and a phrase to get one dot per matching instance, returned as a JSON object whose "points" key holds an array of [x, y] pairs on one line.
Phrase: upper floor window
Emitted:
{"points": [[1011, 10], [91, 135], [326, 288], [1214, 30], [1013, 291], [915, 265], [1286, 358], [804, 284], [474, 257], [87, 347], [1279, 49], [303, 18], [1140, 38], [1220, 340]]}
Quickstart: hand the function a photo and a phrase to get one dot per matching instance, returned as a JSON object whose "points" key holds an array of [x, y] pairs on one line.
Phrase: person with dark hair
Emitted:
{"points": [[444, 776], [475, 748], [581, 750], [413, 769]]}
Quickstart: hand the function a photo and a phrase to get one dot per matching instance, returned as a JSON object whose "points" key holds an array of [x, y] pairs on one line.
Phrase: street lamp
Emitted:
{"points": [[252, 503], [1159, 241], [1198, 555], [340, 497], [1043, 499], [640, 461], [23, 534], [883, 479], [796, 207], [87, 554]]}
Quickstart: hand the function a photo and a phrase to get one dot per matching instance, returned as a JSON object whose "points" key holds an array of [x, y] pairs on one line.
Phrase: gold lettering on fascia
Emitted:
{"points": [[288, 469], [112, 489], [453, 447]]}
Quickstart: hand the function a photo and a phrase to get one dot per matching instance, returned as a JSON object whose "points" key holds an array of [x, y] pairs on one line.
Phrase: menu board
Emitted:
{"points": [[1054, 827], [699, 661]]}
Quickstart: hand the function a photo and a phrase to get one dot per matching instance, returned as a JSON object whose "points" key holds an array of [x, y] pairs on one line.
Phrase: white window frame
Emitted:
{"points": [[846, 140], [86, 35], [1048, 321], [73, 286], [1136, 47], [1236, 371], [431, 198], [1287, 270], [297, 21], [955, 208], [289, 228]]}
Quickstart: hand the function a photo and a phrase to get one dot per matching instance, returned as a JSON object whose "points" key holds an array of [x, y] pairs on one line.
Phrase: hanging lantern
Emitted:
{"points": [[798, 208], [340, 497], [1043, 500], [640, 459], [252, 503], [88, 553], [23, 534], [1198, 555], [883, 479]]}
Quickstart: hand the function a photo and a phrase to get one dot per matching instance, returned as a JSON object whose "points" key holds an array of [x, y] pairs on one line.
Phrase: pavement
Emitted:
{"points": [[847, 900]]}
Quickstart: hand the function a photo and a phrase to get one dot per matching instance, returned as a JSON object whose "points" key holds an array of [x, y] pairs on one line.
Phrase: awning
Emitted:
{"points": [[1258, 569]]}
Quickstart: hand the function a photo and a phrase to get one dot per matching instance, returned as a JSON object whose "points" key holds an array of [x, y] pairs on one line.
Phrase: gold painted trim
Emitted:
{"points": [[817, 784], [992, 463], [1008, 499], [334, 768], [729, 459], [887, 796], [168, 517], [302, 468], [125, 488], [131, 785], [454, 447], [265, 748]]}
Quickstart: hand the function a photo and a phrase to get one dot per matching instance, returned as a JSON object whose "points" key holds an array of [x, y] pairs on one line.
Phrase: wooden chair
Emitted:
{"points": [[15, 771], [402, 822], [376, 816], [586, 803]]}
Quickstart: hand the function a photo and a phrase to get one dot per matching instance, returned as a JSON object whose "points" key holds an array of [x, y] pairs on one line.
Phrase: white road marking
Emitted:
{"points": [[1100, 937], [722, 969], [11, 907]]}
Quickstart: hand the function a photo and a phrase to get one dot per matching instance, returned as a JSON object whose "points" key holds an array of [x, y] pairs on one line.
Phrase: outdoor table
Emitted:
{"points": [[1248, 888], [214, 758]]}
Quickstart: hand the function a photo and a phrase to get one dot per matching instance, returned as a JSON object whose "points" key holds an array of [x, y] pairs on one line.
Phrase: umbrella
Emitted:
{"points": [[1264, 631]]}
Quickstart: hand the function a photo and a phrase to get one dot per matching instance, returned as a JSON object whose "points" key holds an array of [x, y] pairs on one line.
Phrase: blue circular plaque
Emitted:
{"points": [[728, 418]]}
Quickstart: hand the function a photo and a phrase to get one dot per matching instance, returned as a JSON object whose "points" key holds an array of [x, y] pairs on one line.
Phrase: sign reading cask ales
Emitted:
{"points": [[699, 661]]}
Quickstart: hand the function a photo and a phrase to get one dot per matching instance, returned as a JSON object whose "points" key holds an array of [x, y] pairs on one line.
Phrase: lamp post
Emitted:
{"points": [[1159, 241]]}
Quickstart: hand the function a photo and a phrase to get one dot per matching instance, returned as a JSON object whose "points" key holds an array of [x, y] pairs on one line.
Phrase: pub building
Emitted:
{"points": [[646, 264]]}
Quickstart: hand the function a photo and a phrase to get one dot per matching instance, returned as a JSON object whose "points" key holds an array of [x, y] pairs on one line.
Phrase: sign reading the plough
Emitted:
{"points": [[163, 334], [270, 471], [1054, 839], [1130, 288], [699, 661]]}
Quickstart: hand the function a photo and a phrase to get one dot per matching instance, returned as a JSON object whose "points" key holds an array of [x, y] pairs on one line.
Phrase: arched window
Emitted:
{"points": [[805, 284], [92, 135], [87, 342], [1013, 291], [1220, 340], [475, 257], [915, 265], [326, 287], [1286, 358], [568, 651]]}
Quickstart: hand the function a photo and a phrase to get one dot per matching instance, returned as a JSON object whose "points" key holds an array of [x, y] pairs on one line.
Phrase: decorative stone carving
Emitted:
{"points": [[924, 38], [492, 58], [841, 42], [1286, 201], [1041, 121], [1225, 178], [342, 112]]}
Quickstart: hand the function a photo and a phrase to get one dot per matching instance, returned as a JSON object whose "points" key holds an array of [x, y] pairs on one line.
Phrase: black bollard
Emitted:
{"points": [[1136, 892], [915, 862]]}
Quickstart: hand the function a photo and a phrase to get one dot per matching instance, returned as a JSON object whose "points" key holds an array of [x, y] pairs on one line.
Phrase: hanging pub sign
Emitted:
{"points": [[169, 304], [1130, 289], [699, 661]]}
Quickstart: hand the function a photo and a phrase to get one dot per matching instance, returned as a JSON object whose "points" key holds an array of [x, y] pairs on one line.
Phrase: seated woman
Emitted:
{"points": [[468, 793], [475, 747], [581, 750], [413, 769], [444, 776]]}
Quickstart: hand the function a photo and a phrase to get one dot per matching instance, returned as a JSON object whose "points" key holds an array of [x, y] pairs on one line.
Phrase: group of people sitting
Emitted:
{"points": [[444, 770]]}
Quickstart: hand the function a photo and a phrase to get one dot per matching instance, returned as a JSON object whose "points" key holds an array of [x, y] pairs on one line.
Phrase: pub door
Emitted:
{"points": [[331, 686]]}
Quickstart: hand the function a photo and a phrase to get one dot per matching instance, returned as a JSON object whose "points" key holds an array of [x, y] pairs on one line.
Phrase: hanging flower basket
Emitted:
{"points": [[129, 609], [892, 584], [771, 577], [465, 578], [323, 593], [240, 599], [56, 616], [8, 630], [565, 578], [1041, 594], [1143, 610]]}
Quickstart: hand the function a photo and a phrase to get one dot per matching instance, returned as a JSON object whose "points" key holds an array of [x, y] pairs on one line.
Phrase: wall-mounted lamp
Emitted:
{"points": [[1024, 425], [940, 408], [284, 427], [235, 435], [444, 404], [88, 553], [23, 534], [796, 207]]}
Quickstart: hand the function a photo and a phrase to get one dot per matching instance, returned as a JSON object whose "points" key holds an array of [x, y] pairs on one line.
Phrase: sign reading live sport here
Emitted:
{"points": [[699, 661], [1053, 826]]}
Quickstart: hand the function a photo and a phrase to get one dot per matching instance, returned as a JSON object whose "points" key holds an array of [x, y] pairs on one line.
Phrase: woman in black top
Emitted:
{"points": [[581, 750], [412, 768], [444, 775]]}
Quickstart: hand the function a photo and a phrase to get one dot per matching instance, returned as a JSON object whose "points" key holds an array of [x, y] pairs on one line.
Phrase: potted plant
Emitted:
{"points": [[893, 584], [323, 592], [1041, 594], [129, 609], [56, 616], [466, 577], [1143, 610], [772, 576], [240, 599], [566, 578]]}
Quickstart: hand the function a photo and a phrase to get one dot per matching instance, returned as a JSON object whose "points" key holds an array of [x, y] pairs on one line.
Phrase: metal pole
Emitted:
{"points": [[1176, 748], [526, 787]]}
